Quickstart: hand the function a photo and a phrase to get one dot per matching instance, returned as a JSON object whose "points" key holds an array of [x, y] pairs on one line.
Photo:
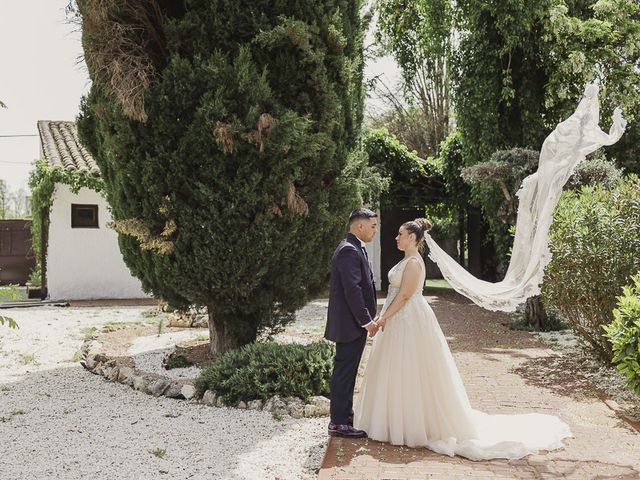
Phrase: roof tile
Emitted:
{"points": [[62, 148]]}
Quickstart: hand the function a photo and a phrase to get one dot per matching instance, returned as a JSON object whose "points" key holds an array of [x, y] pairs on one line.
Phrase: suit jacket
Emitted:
{"points": [[352, 295]]}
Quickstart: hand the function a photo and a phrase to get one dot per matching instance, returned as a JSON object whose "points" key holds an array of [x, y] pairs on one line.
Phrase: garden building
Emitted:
{"points": [[79, 253]]}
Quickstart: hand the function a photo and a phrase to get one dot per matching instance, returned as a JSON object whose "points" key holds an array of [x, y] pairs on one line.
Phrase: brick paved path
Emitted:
{"points": [[504, 371]]}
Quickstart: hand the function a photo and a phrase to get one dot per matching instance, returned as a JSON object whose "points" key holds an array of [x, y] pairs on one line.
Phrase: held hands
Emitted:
{"points": [[372, 329], [381, 322]]}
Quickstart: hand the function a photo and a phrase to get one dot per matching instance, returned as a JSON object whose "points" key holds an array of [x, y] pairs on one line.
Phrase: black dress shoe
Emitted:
{"points": [[345, 431]]}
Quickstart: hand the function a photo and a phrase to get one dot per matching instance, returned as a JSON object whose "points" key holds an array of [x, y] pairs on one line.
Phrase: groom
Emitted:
{"points": [[352, 308]]}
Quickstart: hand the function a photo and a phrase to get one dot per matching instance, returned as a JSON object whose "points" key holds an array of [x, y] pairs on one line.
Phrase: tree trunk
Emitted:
{"points": [[220, 338], [461, 236], [474, 241], [534, 312]]}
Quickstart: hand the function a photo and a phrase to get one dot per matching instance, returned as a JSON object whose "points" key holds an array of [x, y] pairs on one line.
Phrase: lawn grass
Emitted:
{"points": [[12, 293], [438, 284]]}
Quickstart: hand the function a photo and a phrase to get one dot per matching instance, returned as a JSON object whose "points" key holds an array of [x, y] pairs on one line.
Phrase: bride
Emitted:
{"points": [[412, 393]]}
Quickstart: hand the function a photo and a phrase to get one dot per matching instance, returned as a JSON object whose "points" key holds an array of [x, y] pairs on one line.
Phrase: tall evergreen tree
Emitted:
{"points": [[223, 130]]}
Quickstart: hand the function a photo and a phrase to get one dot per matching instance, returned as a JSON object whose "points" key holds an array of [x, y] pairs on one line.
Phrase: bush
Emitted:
{"points": [[595, 242], [624, 332], [413, 181], [262, 370], [595, 170]]}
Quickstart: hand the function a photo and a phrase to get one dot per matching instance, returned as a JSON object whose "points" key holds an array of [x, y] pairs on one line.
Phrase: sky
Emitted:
{"points": [[42, 77]]}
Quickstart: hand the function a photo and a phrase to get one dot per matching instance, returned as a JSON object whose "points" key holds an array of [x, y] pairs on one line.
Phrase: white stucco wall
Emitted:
{"points": [[85, 263]]}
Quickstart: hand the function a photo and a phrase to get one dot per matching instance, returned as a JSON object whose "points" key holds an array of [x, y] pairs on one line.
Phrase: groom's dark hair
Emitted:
{"points": [[361, 214]]}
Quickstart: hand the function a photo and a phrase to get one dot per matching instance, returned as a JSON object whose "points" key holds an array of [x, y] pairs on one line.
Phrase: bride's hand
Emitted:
{"points": [[381, 321]]}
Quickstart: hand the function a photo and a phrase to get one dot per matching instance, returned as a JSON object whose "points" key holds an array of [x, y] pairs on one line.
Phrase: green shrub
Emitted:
{"points": [[262, 370], [595, 170], [624, 334], [595, 242], [177, 361]]}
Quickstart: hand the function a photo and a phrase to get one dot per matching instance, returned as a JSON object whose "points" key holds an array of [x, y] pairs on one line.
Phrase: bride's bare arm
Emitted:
{"points": [[408, 286]]}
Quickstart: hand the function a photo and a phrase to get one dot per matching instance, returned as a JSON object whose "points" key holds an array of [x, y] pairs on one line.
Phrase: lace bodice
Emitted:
{"points": [[395, 274]]}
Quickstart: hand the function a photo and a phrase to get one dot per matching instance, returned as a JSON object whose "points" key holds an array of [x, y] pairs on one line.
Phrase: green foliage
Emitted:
{"points": [[595, 170], [262, 370], [35, 277], [595, 242], [177, 361], [420, 36], [500, 77], [413, 182], [624, 334], [42, 182], [10, 322], [450, 163], [595, 40], [244, 168], [494, 185], [8, 293]]}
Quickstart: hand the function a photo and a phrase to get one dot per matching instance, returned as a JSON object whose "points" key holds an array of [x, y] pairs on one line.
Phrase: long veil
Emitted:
{"points": [[538, 196]]}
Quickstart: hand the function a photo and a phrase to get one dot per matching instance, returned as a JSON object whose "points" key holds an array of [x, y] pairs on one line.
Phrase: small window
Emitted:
{"points": [[84, 216]]}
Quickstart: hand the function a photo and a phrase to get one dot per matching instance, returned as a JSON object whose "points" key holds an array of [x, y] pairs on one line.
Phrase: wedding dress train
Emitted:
{"points": [[412, 393]]}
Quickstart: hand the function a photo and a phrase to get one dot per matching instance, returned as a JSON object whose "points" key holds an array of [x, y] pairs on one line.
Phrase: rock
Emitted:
{"points": [[241, 405], [140, 383], [219, 402], [174, 390], [275, 403], [100, 357], [158, 387], [125, 375], [254, 405], [112, 376], [309, 410], [104, 370], [98, 368], [179, 321], [296, 410], [90, 362], [201, 321], [321, 404], [188, 391], [209, 398]]}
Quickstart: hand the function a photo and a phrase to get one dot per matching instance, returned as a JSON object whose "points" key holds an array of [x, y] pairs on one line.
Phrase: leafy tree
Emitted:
{"points": [[419, 35], [598, 40], [230, 176], [413, 182], [520, 67]]}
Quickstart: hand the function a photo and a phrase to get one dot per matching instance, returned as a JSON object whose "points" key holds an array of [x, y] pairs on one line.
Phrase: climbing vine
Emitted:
{"points": [[42, 182]]}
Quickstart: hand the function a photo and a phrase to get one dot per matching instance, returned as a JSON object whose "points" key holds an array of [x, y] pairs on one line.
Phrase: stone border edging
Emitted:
{"points": [[120, 369]]}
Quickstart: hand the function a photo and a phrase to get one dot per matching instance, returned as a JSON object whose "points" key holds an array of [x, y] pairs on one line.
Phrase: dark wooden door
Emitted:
{"points": [[17, 259]]}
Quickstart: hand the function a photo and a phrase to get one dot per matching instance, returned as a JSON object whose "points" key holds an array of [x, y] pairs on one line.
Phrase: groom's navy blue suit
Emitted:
{"points": [[352, 305]]}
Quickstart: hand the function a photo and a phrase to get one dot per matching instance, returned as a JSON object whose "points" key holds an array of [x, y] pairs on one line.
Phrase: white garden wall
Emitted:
{"points": [[85, 263]]}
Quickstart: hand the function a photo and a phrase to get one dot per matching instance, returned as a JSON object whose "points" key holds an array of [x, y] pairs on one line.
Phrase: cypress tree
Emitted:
{"points": [[223, 129]]}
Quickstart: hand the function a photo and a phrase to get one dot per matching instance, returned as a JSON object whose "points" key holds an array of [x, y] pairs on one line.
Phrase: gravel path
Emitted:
{"points": [[57, 421]]}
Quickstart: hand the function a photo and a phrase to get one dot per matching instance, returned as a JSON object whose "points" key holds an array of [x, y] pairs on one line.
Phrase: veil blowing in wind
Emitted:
{"points": [[570, 142]]}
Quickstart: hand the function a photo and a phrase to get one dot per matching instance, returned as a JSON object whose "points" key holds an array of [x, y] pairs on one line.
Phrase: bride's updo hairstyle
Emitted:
{"points": [[418, 227]]}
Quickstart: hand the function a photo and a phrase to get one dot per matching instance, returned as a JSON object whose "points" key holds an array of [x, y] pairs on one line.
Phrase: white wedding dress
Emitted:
{"points": [[412, 393]]}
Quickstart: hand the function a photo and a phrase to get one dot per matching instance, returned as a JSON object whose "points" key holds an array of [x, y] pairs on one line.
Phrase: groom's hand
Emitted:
{"points": [[372, 328]]}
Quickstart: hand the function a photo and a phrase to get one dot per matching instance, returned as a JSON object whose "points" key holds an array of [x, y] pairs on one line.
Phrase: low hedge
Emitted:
{"points": [[263, 370]]}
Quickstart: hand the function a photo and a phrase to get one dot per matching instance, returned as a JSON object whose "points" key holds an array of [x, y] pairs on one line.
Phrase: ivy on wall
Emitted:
{"points": [[42, 182]]}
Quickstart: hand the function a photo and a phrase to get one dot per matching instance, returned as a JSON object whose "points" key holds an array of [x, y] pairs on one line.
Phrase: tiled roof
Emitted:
{"points": [[62, 148]]}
